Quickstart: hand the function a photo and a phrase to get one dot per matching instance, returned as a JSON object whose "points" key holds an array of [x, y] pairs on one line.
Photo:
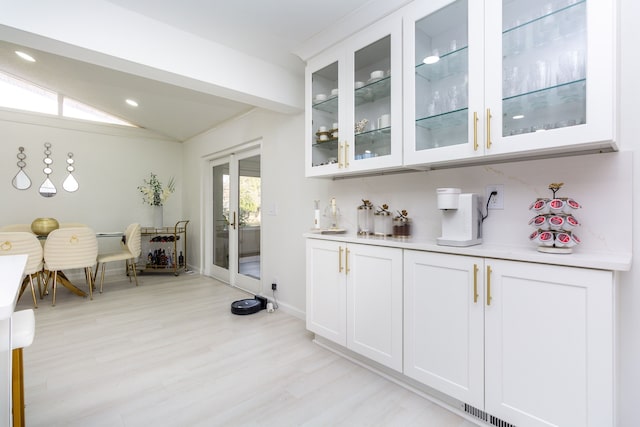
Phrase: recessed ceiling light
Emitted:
{"points": [[25, 56], [131, 102]]}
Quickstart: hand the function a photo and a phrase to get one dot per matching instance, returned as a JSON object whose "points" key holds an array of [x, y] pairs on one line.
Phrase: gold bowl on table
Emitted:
{"points": [[43, 226]]}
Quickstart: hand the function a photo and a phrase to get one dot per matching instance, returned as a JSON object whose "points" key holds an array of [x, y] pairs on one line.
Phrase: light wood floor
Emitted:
{"points": [[170, 353]]}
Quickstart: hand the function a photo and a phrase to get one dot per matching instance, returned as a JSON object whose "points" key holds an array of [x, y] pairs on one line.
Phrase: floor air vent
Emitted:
{"points": [[490, 419]]}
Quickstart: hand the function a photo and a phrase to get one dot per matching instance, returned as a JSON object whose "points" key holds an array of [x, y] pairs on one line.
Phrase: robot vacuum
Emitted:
{"points": [[248, 306]]}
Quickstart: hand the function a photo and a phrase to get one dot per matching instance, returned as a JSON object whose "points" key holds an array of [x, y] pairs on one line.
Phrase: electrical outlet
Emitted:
{"points": [[274, 286], [497, 201]]}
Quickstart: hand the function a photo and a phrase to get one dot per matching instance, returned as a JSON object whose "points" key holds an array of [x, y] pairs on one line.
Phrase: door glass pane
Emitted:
{"points": [[324, 111], [442, 77], [249, 199], [221, 215], [544, 47], [372, 101]]}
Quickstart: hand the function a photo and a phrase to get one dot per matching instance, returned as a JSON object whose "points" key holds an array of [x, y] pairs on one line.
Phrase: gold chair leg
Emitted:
{"points": [[95, 273], [17, 388], [87, 273], [46, 284], [127, 266], [133, 267], [55, 286], [39, 276], [102, 276], [33, 291]]}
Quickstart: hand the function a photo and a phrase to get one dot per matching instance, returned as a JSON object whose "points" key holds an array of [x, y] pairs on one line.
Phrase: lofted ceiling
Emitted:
{"points": [[268, 30]]}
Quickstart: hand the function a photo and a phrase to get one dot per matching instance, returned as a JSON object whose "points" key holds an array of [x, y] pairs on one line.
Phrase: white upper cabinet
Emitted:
{"points": [[442, 96], [507, 79], [354, 108]]}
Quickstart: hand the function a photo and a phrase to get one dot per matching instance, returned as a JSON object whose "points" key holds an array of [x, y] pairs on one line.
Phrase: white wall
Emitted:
{"points": [[283, 190], [595, 181], [110, 165]]}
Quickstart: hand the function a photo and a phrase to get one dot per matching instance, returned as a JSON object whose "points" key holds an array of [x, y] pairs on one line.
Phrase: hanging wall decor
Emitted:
{"points": [[70, 184], [21, 181], [47, 189]]}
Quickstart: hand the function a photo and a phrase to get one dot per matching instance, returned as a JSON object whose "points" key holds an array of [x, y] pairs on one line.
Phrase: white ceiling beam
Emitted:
{"points": [[104, 34]]}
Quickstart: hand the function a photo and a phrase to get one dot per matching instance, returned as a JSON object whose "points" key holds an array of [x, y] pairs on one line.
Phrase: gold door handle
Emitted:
{"points": [[339, 259], [475, 131], [475, 283], [346, 154], [346, 261], [488, 128], [233, 224], [488, 285]]}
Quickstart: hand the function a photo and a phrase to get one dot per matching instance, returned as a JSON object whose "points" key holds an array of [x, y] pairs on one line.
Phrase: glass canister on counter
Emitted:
{"points": [[383, 222], [365, 218], [402, 225]]}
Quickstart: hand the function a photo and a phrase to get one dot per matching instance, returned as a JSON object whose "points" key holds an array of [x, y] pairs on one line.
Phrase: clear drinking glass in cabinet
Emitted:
{"points": [[372, 100], [324, 88], [544, 47], [441, 77]]}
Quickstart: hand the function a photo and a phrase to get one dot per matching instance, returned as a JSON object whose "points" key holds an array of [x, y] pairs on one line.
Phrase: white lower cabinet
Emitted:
{"points": [[443, 320], [354, 298], [530, 344]]}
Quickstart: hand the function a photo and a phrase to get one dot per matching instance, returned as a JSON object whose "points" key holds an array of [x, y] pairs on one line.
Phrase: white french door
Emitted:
{"points": [[234, 254]]}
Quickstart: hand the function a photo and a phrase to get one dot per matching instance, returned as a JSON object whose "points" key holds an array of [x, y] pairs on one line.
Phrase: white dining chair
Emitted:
{"points": [[70, 248], [16, 227], [21, 242], [72, 224], [129, 253]]}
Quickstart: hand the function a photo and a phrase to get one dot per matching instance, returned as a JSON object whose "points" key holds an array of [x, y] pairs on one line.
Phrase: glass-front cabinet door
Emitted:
{"points": [[443, 81], [354, 108], [549, 75], [507, 78], [324, 150]]}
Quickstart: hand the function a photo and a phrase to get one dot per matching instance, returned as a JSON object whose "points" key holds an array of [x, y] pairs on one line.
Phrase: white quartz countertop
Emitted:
{"points": [[598, 260], [11, 270]]}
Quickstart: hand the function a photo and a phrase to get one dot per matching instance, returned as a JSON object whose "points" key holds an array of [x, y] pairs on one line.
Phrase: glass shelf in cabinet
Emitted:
{"points": [[375, 143], [373, 90], [571, 8], [330, 144], [552, 108], [552, 95], [450, 64], [450, 118], [328, 106], [566, 23], [373, 134]]}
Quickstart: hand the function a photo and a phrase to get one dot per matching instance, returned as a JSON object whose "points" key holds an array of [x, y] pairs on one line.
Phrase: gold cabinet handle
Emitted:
{"points": [[475, 131], [475, 283], [339, 155], [488, 128], [339, 259], [346, 154], [346, 261], [488, 285]]}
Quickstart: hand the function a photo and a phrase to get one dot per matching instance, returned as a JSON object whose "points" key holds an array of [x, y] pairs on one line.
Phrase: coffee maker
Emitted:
{"points": [[461, 218]]}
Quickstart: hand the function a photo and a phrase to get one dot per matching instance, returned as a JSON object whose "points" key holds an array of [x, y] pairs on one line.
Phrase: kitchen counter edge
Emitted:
{"points": [[612, 261]]}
